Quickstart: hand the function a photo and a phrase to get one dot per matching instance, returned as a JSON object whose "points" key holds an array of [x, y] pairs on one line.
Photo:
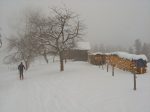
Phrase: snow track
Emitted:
{"points": [[80, 88]]}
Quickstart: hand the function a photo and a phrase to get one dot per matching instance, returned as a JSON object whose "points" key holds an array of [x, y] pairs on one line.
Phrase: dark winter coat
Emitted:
{"points": [[21, 67]]}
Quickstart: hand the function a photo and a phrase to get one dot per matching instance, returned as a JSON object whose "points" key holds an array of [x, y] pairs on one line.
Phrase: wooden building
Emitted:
{"points": [[97, 58], [79, 52]]}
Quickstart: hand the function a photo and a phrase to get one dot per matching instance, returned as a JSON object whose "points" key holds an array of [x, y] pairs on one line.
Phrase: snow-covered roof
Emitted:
{"points": [[83, 46], [124, 55], [95, 53], [129, 56]]}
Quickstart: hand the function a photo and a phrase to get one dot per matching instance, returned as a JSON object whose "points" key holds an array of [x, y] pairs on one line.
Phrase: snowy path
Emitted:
{"points": [[80, 88]]}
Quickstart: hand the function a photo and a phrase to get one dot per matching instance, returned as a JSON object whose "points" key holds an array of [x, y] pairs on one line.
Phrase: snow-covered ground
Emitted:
{"points": [[82, 87]]}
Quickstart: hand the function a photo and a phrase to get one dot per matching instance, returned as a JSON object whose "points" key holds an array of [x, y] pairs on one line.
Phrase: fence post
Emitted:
{"points": [[134, 81], [134, 78], [113, 66], [134, 74], [107, 66]]}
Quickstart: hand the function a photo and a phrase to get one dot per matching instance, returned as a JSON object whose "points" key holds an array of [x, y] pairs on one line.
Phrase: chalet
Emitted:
{"points": [[79, 52], [97, 58]]}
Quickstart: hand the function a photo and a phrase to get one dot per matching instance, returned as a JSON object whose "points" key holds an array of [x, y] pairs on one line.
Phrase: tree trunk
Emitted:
{"points": [[113, 66], [45, 57], [27, 64], [134, 75], [107, 67], [61, 61]]}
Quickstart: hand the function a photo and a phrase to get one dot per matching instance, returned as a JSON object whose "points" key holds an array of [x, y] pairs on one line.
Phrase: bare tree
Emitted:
{"points": [[20, 46], [102, 48], [23, 46], [130, 50], [60, 31], [38, 26], [138, 46], [22, 50], [142, 48], [146, 50], [95, 48], [42, 35]]}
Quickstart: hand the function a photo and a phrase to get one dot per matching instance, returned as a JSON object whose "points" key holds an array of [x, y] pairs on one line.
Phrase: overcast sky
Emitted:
{"points": [[114, 22]]}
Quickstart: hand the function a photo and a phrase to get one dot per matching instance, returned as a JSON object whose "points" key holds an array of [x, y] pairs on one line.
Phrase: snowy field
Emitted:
{"points": [[80, 88]]}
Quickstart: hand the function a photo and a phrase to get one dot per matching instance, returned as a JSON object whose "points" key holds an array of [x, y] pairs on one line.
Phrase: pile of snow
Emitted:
{"points": [[130, 56], [124, 55], [96, 53]]}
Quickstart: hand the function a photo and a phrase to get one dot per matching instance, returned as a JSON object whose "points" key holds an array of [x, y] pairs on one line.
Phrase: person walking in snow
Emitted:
{"points": [[20, 68]]}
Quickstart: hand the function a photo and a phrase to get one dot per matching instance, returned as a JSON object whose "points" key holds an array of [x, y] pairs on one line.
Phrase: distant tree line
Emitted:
{"points": [[43, 35], [107, 48], [137, 48], [141, 48]]}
